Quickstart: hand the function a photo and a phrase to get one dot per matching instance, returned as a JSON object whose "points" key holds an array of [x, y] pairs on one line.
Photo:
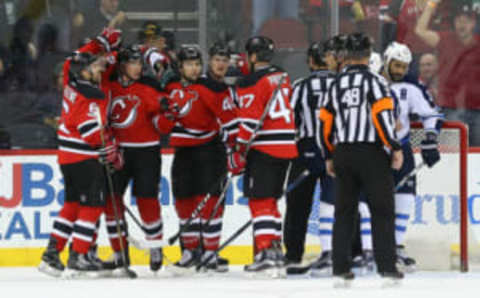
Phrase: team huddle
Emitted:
{"points": [[118, 101]]}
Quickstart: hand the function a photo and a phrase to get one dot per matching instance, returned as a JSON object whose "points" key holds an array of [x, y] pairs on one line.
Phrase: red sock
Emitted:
{"points": [[267, 222], [211, 233], [112, 223], [63, 225], [185, 208], [84, 228], [150, 212]]}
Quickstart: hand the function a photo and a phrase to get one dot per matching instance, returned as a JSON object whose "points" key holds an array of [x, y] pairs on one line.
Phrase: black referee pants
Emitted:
{"points": [[363, 167], [299, 205]]}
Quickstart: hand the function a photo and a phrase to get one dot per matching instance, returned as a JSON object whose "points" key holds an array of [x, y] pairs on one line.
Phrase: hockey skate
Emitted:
{"points": [[322, 267], [92, 254], [81, 266], [156, 259], [115, 268], [343, 281], [364, 264], [265, 263], [391, 279], [215, 264], [405, 263], [51, 263], [187, 264]]}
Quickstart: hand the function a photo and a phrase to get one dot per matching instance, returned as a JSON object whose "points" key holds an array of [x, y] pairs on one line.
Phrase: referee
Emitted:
{"points": [[307, 94], [358, 115]]}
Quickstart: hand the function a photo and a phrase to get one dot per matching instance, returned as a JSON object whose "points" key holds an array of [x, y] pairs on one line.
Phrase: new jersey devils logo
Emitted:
{"points": [[184, 100], [124, 111]]}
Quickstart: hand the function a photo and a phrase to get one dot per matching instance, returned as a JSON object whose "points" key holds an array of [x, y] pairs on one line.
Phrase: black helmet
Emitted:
{"points": [[132, 52], [358, 45], [317, 51], [189, 53], [220, 49], [80, 61], [336, 44], [262, 46]]}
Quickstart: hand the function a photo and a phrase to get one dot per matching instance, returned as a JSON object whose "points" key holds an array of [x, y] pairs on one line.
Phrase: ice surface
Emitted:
{"points": [[29, 283]]}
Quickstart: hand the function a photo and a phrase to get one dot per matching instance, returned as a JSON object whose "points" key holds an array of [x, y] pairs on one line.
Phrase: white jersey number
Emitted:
{"points": [[278, 108]]}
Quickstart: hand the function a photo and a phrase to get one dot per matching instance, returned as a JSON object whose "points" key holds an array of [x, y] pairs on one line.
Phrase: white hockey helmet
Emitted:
{"points": [[375, 63], [397, 51]]}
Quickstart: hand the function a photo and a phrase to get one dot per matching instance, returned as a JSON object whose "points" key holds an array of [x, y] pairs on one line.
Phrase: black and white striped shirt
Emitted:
{"points": [[306, 100], [358, 109]]}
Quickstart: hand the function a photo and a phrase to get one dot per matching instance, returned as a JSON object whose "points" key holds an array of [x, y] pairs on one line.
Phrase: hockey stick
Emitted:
{"points": [[409, 175], [227, 242], [297, 181], [237, 233], [130, 273], [194, 215]]}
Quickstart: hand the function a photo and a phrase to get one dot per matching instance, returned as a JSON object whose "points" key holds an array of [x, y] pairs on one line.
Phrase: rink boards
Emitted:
{"points": [[31, 194]]}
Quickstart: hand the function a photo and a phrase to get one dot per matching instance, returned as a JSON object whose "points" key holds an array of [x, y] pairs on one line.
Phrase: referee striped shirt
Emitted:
{"points": [[358, 109], [306, 100]]}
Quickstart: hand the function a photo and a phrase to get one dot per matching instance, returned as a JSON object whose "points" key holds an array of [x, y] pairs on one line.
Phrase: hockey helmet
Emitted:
{"points": [[262, 46], [189, 53], [130, 53], [316, 50], [80, 61], [220, 49], [397, 51], [358, 43]]}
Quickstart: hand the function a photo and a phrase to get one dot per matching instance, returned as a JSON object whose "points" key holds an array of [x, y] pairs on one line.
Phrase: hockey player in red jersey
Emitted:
{"points": [[200, 158], [272, 148], [135, 106], [80, 144]]}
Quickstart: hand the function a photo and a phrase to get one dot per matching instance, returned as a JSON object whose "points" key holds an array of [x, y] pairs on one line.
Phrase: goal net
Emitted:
{"points": [[438, 234]]}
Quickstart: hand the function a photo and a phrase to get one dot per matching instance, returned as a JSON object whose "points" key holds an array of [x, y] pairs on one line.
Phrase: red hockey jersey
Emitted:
{"points": [[79, 131], [276, 136], [209, 109], [133, 112]]}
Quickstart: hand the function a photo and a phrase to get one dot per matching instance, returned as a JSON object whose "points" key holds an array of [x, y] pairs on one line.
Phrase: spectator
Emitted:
{"points": [[266, 9], [49, 55], [89, 24], [49, 102], [459, 57], [4, 68], [428, 70], [23, 56], [151, 36]]}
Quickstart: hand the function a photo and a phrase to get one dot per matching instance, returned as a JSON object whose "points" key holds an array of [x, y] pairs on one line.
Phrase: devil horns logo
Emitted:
{"points": [[124, 111]]}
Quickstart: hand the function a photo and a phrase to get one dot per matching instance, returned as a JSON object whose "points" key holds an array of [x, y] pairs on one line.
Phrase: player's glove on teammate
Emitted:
{"points": [[110, 38], [236, 161], [429, 147], [110, 155], [311, 156]]}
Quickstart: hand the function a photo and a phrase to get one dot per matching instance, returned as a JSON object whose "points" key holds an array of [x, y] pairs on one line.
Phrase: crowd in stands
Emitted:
{"points": [[445, 44]]}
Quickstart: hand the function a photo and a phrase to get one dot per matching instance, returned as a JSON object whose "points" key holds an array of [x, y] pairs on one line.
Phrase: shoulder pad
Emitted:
{"points": [[212, 84], [151, 82], [253, 78], [88, 91]]}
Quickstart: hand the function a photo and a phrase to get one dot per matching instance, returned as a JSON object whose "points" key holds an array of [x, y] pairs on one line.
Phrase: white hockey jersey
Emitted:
{"points": [[414, 99]]}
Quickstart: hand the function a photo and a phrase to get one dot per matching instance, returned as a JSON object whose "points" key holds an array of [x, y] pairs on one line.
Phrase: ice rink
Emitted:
{"points": [[28, 283]]}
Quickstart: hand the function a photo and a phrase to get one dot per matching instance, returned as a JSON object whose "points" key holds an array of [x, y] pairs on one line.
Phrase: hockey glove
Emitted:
{"points": [[311, 157], [235, 162], [429, 147], [111, 156], [169, 108], [110, 39]]}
